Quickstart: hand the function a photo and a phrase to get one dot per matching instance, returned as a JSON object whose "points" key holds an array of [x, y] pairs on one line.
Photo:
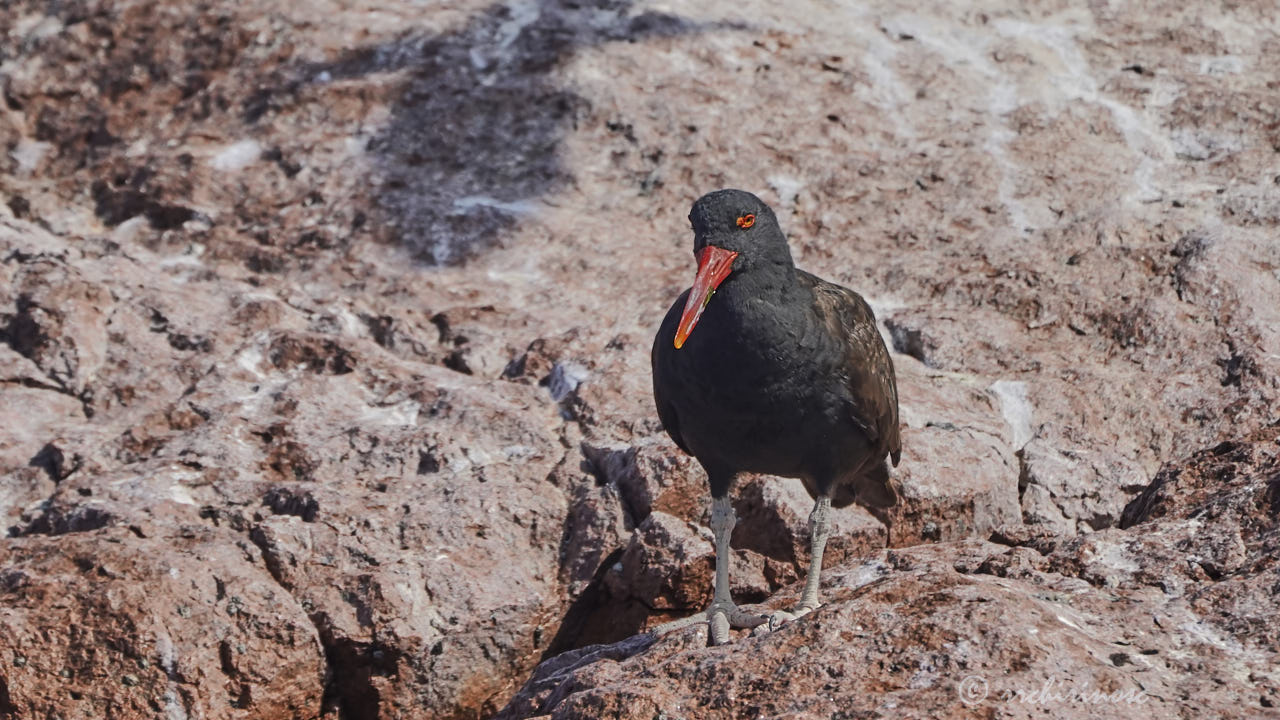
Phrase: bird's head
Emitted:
{"points": [[733, 231]]}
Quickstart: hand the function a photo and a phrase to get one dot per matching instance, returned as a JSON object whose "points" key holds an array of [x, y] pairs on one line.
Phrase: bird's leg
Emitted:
{"points": [[722, 521], [819, 528], [722, 614]]}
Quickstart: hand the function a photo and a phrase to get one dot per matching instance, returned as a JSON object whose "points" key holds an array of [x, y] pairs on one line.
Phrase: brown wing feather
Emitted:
{"points": [[871, 380]]}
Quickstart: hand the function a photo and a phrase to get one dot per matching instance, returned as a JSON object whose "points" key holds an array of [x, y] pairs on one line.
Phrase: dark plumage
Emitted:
{"points": [[782, 373]]}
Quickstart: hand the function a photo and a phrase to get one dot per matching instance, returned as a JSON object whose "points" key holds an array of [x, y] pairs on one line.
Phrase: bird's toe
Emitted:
{"points": [[682, 623], [718, 627], [779, 618], [804, 609], [742, 619], [773, 622]]}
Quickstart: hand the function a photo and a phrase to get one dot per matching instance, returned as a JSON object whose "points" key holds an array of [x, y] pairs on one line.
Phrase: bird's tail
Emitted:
{"points": [[874, 489]]}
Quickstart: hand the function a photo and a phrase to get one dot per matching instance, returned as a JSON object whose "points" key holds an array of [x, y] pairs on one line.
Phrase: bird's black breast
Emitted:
{"points": [[755, 387]]}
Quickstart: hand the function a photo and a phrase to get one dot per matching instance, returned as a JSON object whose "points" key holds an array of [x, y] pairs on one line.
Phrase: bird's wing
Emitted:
{"points": [[662, 347], [871, 382]]}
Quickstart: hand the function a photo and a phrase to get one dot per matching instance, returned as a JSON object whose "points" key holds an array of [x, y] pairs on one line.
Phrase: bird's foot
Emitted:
{"points": [[805, 608], [719, 617], [779, 618]]}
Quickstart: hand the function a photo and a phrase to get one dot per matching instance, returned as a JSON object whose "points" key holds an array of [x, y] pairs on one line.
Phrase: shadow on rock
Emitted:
{"points": [[474, 136]]}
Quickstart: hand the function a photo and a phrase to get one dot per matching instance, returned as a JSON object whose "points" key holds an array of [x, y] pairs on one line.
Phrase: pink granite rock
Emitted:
{"points": [[354, 317]]}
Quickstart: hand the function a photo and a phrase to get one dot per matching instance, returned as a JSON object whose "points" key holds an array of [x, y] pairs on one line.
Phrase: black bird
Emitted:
{"points": [[762, 367]]}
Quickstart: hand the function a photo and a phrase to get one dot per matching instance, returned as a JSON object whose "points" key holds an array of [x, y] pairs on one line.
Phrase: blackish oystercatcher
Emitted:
{"points": [[762, 367]]}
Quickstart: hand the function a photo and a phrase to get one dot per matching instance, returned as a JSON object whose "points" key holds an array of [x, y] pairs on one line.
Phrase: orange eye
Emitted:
{"points": [[746, 221]]}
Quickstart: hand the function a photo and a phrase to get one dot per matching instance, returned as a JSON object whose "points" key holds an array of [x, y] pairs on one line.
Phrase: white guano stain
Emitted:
{"points": [[1015, 408]]}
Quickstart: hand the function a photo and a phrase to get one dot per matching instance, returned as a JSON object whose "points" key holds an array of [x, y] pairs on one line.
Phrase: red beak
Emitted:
{"points": [[714, 265]]}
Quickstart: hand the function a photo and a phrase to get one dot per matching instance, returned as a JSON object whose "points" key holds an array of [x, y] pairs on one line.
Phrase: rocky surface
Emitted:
{"points": [[324, 336], [1171, 617]]}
